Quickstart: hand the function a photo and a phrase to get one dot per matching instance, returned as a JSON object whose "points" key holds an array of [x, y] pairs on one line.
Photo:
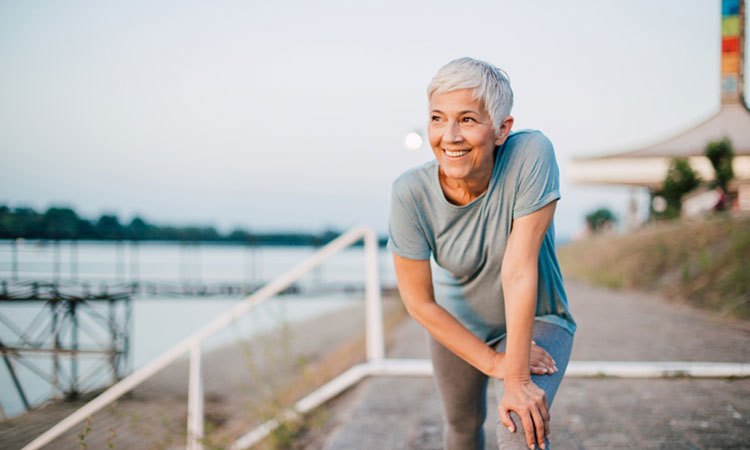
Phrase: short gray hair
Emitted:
{"points": [[491, 85]]}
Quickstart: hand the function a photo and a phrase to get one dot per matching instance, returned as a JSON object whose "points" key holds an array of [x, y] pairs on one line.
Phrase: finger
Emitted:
{"points": [[529, 429], [537, 362], [505, 419], [540, 366], [540, 354], [547, 357], [544, 411], [540, 426]]}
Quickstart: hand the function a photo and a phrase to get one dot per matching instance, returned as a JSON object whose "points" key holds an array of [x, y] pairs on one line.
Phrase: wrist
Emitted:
{"points": [[517, 379], [497, 366]]}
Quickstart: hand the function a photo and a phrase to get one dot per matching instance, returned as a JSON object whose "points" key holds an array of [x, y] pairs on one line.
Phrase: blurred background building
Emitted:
{"points": [[647, 167]]}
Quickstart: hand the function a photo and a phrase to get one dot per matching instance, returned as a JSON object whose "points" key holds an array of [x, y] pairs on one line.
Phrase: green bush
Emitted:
{"points": [[680, 179], [599, 219], [721, 153]]}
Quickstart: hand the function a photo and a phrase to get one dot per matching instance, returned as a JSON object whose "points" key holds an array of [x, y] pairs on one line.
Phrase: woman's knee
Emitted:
{"points": [[516, 440]]}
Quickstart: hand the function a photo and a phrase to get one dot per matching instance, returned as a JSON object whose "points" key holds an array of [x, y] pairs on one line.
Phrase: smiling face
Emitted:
{"points": [[462, 138]]}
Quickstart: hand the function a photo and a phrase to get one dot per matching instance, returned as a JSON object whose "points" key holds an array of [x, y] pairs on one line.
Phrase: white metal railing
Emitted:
{"points": [[192, 344]]}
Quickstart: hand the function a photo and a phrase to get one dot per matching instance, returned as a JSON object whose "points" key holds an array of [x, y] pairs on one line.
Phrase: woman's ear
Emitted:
{"points": [[505, 127]]}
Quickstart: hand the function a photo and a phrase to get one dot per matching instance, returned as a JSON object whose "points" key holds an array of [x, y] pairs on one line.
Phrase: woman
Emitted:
{"points": [[493, 301]]}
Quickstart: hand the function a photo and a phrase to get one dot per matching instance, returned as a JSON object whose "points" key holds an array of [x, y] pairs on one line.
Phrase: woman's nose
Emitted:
{"points": [[452, 132]]}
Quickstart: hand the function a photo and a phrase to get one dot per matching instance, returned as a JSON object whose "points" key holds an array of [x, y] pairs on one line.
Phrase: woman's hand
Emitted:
{"points": [[530, 403], [540, 363]]}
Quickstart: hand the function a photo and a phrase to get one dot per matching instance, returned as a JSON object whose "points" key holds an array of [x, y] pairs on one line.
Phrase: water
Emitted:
{"points": [[158, 322], [157, 261]]}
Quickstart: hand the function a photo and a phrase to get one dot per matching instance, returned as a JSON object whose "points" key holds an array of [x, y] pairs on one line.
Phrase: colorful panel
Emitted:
{"points": [[730, 50], [730, 7], [730, 45], [730, 26], [730, 63]]}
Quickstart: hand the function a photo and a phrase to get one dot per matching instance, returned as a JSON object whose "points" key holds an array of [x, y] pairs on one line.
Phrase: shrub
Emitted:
{"points": [[680, 179]]}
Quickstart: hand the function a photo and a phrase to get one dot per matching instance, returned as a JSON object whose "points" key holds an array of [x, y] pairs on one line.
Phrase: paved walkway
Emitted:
{"points": [[588, 413]]}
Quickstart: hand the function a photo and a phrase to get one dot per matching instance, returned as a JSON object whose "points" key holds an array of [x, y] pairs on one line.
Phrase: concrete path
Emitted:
{"points": [[588, 413]]}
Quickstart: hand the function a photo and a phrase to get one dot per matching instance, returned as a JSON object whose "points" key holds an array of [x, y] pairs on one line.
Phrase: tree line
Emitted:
{"points": [[65, 223]]}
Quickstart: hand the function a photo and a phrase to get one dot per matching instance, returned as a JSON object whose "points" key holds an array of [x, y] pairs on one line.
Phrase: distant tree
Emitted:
{"points": [[197, 234], [209, 234], [109, 227], [60, 223], [328, 235], [7, 222], [64, 223], [240, 235], [27, 224], [680, 179], [600, 220], [86, 229], [138, 229], [721, 153]]}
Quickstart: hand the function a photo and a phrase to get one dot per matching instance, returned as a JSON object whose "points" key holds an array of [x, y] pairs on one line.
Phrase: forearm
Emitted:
{"points": [[520, 292], [457, 338], [415, 285]]}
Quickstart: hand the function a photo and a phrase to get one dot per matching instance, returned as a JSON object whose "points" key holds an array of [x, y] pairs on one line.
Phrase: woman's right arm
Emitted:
{"points": [[415, 285]]}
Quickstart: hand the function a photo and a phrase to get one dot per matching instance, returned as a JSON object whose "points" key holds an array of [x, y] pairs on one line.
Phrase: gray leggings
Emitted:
{"points": [[463, 391]]}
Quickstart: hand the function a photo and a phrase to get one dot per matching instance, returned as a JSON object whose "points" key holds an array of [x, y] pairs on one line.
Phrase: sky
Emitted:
{"points": [[292, 115]]}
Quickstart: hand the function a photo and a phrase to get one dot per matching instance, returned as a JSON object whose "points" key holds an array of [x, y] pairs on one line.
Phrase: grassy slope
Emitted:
{"points": [[706, 262]]}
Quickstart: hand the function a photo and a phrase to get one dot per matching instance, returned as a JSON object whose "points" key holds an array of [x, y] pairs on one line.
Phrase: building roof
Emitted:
{"points": [[732, 121]]}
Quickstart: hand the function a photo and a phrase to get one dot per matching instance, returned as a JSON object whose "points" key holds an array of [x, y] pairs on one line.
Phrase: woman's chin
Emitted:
{"points": [[455, 173]]}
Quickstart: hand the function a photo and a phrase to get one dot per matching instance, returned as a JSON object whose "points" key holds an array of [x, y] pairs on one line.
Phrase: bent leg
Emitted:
{"points": [[463, 394], [558, 343]]}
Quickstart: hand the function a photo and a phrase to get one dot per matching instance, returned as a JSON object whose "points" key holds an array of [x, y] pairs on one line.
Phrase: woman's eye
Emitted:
{"points": [[468, 119], [435, 118]]}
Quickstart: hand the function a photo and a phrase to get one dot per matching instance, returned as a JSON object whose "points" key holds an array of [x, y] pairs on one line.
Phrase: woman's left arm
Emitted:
{"points": [[519, 279]]}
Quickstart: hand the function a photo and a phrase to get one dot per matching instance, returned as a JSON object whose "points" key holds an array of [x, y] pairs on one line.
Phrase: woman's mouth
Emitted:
{"points": [[456, 154]]}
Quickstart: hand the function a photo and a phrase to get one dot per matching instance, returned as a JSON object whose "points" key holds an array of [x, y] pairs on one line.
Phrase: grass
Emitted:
{"points": [[706, 263]]}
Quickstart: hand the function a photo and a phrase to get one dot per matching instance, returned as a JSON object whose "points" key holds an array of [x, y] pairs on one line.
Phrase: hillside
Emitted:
{"points": [[706, 263]]}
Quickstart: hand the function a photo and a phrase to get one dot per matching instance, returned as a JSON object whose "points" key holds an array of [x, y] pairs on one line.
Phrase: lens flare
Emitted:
{"points": [[413, 140]]}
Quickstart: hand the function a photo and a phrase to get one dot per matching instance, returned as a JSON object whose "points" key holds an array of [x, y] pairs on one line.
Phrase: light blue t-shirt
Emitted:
{"points": [[467, 243]]}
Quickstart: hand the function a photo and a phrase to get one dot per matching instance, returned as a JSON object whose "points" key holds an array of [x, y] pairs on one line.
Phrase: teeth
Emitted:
{"points": [[456, 154]]}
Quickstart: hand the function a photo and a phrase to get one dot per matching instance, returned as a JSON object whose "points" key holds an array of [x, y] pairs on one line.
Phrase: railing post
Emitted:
{"points": [[14, 263], [373, 308], [195, 400]]}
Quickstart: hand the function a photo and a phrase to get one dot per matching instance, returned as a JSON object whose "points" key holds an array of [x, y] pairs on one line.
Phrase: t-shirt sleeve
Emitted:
{"points": [[405, 236], [539, 177]]}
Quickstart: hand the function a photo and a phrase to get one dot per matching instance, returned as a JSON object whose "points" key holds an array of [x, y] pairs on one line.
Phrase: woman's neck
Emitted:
{"points": [[462, 191]]}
